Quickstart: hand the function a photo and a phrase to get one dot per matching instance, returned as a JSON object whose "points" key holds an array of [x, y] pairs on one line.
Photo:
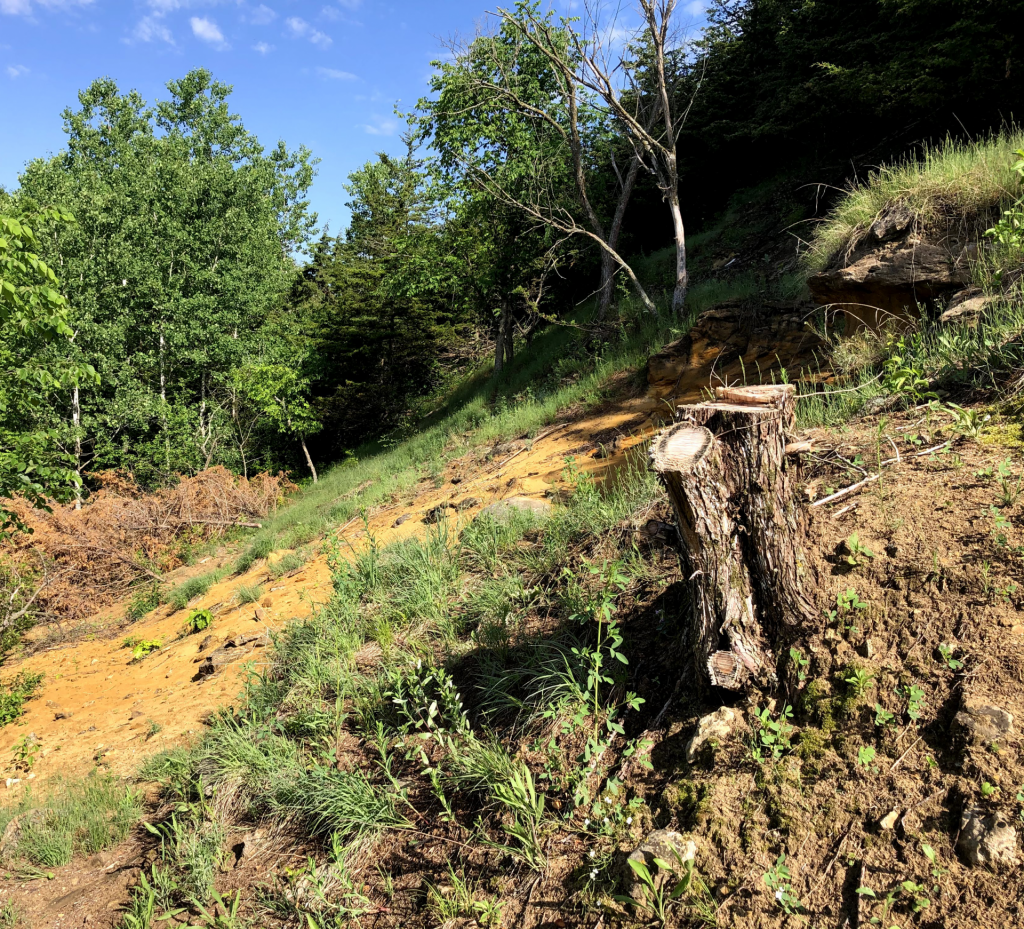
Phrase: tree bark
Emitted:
{"points": [[682, 276], [309, 459], [503, 346], [732, 487]]}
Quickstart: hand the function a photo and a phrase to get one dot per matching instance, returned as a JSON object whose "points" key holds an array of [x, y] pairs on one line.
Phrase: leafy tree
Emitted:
{"points": [[374, 313], [185, 242], [33, 317], [280, 394], [498, 161]]}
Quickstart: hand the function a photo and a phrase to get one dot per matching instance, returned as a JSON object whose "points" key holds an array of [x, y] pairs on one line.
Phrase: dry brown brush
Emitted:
{"points": [[122, 536]]}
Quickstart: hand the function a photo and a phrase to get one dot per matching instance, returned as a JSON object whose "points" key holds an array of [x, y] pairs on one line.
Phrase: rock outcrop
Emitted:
{"points": [[889, 273], [733, 338]]}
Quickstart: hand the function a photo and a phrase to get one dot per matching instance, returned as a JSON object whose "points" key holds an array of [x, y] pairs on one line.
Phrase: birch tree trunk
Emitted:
{"points": [[309, 459], [732, 487]]}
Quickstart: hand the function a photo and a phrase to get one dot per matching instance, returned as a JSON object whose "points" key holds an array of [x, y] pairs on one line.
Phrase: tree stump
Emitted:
{"points": [[731, 484]]}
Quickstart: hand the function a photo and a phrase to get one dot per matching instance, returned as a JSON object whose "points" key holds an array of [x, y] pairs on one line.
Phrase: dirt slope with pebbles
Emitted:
{"points": [[99, 707]]}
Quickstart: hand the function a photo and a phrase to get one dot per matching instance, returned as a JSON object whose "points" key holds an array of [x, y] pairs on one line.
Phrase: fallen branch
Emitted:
{"points": [[846, 490], [874, 477]]}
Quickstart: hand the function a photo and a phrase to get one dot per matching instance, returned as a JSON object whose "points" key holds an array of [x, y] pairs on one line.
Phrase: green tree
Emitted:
{"points": [[281, 394], [34, 317], [185, 242]]}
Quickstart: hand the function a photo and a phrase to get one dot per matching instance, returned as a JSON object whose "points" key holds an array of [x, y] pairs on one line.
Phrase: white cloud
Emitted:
{"points": [[333, 14], [16, 71], [262, 15], [335, 75], [207, 30], [697, 8], [381, 126], [24, 7], [151, 29], [262, 48], [301, 29]]}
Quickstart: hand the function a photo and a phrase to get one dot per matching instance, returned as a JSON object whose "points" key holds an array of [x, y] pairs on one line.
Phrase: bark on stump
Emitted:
{"points": [[732, 486]]}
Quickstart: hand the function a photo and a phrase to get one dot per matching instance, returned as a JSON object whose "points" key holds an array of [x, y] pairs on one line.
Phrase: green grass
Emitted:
{"points": [[182, 595], [15, 692], [954, 357], [74, 817], [290, 561], [953, 187], [248, 593]]}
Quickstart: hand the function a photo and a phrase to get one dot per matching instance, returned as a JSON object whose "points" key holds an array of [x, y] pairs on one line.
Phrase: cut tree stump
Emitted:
{"points": [[731, 484]]}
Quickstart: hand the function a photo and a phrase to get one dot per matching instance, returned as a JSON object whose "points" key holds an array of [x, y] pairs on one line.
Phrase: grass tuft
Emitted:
{"points": [[182, 595], [953, 188], [73, 817]]}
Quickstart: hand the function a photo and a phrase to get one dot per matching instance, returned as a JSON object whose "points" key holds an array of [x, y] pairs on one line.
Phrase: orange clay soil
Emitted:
{"points": [[97, 706]]}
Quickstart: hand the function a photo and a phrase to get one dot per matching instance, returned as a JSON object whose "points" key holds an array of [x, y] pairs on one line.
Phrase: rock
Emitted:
{"points": [[887, 280], [207, 641], [136, 714], [12, 782], [667, 845], [504, 449], [63, 714], [232, 650], [718, 725], [15, 828], [467, 504], [893, 223], [966, 312], [503, 510], [983, 724], [259, 615], [888, 822], [437, 513], [761, 337], [401, 519], [456, 479], [988, 841]]}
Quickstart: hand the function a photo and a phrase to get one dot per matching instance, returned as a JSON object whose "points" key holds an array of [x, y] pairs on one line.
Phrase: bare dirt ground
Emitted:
{"points": [[99, 707]]}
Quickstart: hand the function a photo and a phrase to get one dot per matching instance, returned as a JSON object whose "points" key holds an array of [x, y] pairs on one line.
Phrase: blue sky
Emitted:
{"points": [[326, 75]]}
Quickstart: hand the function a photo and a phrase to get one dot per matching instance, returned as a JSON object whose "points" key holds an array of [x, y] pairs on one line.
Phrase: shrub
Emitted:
{"points": [[143, 601], [15, 692], [197, 621]]}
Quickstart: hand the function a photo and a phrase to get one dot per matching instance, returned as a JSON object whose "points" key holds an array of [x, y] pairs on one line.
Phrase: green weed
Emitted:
{"points": [[15, 692]]}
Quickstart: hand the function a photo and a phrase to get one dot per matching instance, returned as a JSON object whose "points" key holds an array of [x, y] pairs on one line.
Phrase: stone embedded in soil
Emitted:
{"points": [[401, 519], [718, 725], [982, 723], [888, 821], [667, 845], [503, 510], [468, 504], [21, 822], [436, 513], [987, 841]]}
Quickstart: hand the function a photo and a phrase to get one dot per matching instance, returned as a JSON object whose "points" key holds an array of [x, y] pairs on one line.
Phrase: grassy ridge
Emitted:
{"points": [[956, 186]]}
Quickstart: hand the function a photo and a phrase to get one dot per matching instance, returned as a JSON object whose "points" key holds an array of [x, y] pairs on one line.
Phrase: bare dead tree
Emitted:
{"points": [[639, 87]]}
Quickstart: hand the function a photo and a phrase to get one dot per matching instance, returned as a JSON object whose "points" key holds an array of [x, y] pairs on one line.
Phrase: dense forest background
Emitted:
{"points": [[206, 319]]}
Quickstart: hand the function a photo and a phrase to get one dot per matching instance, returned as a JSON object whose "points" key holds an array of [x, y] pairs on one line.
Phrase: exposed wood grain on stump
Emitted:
{"points": [[732, 486]]}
